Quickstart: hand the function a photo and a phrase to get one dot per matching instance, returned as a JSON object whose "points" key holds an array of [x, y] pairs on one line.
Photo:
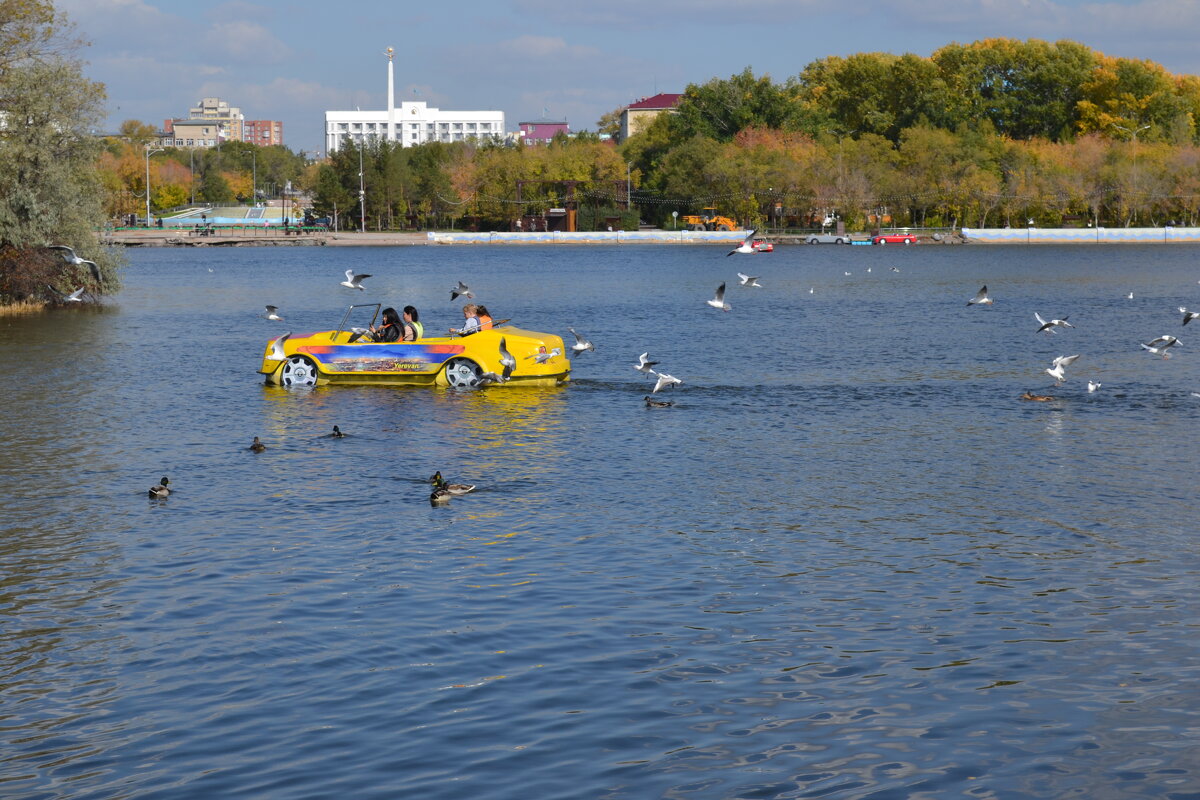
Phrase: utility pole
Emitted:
{"points": [[362, 193], [149, 153]]}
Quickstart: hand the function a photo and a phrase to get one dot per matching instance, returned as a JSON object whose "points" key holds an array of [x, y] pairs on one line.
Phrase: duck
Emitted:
{"points": [[161, 489], [257, 446], [439, 497], [652, 403], [1038, 398], [337, 433], [456, 489]]}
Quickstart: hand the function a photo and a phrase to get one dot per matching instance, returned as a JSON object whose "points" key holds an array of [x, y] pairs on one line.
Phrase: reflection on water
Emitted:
{"points": [[848, 562]]}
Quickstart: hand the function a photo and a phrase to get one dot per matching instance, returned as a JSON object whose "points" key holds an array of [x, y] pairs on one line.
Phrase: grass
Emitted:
{"points": [[22, 307]]}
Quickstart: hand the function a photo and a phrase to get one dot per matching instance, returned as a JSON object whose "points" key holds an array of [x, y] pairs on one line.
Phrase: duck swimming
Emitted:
{"points": [[439, 497], [652, 403], [257, 446], [161, 489], [1038, 398], [455, 489], [337, 433]]}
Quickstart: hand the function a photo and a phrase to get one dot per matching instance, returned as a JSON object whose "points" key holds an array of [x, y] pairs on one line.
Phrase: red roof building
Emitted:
{"points": [[637, 116]]}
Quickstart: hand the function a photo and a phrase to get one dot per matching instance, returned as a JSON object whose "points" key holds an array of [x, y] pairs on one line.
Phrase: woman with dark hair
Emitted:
{"points": [[389, 331], [413, 329], [485, 319]]}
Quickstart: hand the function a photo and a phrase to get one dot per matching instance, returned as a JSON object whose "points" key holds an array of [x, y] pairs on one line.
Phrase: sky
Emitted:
{"points": [[554, 59]]}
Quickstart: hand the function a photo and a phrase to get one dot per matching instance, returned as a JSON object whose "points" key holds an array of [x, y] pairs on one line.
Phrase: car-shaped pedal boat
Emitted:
{"points": [[350, 356]]}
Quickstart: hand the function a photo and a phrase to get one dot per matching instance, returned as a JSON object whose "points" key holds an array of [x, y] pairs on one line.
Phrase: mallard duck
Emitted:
{"points": [[161, 490], [439, 497], [257, 446], [455, 489], [652, 403], [1038, 398], [337, 433]]}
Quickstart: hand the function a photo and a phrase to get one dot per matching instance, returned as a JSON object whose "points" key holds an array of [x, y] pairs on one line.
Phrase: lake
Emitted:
{"points": [[849, 562]]}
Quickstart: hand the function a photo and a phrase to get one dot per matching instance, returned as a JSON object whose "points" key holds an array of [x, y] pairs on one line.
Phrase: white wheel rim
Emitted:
{"points": [[299, 372], [462, 374]]}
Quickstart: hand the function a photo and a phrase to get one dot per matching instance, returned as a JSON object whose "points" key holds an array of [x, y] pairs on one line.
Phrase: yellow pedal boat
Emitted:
{"points": [[350, 356]]}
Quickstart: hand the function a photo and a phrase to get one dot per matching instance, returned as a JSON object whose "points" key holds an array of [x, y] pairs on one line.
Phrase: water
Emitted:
{"points": [[848, 563]]}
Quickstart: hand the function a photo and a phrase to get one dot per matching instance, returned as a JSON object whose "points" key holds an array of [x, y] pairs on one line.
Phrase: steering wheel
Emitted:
{"points": [[361, 333]]}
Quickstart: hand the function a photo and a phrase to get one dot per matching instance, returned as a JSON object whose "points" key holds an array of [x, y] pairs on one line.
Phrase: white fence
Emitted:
{"points": [[1080, 235], [588, 237]]}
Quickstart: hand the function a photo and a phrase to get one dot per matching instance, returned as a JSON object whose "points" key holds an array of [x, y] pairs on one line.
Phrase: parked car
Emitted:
{"points": [[828, 238], [894, 238]]}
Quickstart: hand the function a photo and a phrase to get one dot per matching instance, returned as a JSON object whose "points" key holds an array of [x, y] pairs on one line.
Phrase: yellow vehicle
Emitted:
{"points": [[351, 356], [709, 220]]}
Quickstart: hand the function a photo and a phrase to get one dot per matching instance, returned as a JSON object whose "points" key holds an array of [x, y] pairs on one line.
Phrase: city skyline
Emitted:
{"points": [[534, 58]]}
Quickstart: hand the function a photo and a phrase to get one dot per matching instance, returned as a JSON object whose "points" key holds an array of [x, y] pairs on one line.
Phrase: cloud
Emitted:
{"points": [[245, 42]]}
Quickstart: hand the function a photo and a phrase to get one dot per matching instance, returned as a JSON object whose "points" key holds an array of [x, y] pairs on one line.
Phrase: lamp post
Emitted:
{"points": [[362, 194], [1133, 136], [149, 153], [192, 166], [628, 168]]}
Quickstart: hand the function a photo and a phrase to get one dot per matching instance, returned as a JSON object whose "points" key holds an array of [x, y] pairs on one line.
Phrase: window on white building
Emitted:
{"points": [[190, 142]]}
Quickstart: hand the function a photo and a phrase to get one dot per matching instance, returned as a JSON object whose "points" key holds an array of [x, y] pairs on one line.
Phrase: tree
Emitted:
{"points": [[49, 187], [610, 123], [138, 133]]}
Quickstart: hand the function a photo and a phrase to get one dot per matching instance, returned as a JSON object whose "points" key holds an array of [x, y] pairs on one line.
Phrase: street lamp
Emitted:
{"points": [[149, 153], [1132, 133], [192, 166], [253, 179], [362, 193]]}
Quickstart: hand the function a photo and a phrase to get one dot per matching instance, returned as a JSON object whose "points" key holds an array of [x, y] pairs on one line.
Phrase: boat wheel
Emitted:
{"points": [[299, 371], [462, 373]]}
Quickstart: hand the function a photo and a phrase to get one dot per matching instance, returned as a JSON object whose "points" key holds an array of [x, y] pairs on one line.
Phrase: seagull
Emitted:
{"points": [[664, 381], [461, 290], [1188, 316], [581, 343], [895, 269], [506, 360], [542, 358], [77, 297], [748, 280], [811, 290], [980, 298], [1129, 296], [868, 269], [490, 377], [718, 300], [747, 245], [277, 353], [1093, 386], [644, 365], [354, 281], [69, 255], [1058, 365], [652, 403], [1049, 327], [271, 313], [845, 273], [1159, 346]]}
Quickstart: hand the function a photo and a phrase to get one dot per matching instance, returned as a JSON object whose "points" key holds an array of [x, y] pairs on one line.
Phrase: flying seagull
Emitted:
{"points": [[581, 343], [1049, 327], [271, 313], [749, 280], [644, 365], [74, 297], [277, 353], [72, 258], [718, 300], [1160, 345], [506, 360], [980, 298], [354, 281], [542, 358], [1058, 365], [664, 381], [747, 245], [461, 290], [1188, 316]]}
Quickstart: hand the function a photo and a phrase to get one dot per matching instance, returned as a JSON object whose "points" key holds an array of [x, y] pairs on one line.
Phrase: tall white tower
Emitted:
{"points": [[390, 135]]}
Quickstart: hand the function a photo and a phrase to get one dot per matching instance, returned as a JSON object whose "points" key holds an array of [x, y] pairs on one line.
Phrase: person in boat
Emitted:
{"points": [[485, 319], [470, 320], [389, 331], [413, 329]]}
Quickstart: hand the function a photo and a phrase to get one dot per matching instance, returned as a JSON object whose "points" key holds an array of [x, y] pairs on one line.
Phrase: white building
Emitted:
{"points": [[412, 123]]}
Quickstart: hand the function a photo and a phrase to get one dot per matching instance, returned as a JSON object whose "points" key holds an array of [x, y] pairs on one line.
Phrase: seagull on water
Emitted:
{"points": [[1188, 316], [980, 298], [462, 290], [1058, 365], [747, 245], [748, 280], [895, 269], [354, 281], [1160, 345], [1093, 386], [506, 360], [271, 313], [1129, 296], [644, 365], [581, 343], [718, 300], [664, 381], [72, 258], [1049, 327], [845, 273]]}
